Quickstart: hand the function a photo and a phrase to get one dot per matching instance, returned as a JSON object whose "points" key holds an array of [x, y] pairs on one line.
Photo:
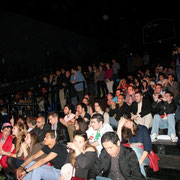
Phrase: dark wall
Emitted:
{"points": [[30, 47]]}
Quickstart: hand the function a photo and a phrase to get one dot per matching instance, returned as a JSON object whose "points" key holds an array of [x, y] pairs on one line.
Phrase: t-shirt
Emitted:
{"points": [[61, 152]]}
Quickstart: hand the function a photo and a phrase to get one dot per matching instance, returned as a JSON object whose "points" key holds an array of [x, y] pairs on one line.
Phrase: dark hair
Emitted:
{"points": [[110, 136], [31, 120], [70, 107], [52, 134], [53, 114], [169, 92], [98, 116], [84, 106], [80, 133], [34, 141], [82, 124], [139, 92]]}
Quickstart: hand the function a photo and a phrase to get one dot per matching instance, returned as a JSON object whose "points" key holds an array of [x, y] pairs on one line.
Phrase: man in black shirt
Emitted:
{"points": [[56, 155]]}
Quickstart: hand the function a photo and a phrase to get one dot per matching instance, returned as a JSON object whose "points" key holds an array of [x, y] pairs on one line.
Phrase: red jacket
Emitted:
{"points": [[6, 147], [108, 74]]}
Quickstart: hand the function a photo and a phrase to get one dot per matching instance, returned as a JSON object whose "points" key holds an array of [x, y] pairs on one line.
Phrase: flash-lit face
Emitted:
{"points": [[40, 123], [97, 107], [66, 110], [79, 142], [128, 124], [95, 124], [6, 131], [138, 97], [52, 120], [47, 139], [111, 149]]}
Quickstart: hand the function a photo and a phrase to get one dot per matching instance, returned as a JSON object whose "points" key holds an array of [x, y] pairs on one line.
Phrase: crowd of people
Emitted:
{"points": [[104, 126]]}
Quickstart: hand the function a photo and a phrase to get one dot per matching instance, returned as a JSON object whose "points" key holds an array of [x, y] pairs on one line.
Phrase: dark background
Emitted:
{"points": [[37, 37]]}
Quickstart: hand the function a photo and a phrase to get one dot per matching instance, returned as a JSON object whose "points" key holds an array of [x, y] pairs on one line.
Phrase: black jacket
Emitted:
{"points": [[119, 111], [128, 165], [163, 107], [146, 107], [41, 133]]}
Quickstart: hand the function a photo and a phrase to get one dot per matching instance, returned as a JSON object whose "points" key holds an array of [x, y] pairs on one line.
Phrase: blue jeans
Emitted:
{"points": [[113, 122], [102, 178], [44, 172], [169, 123], [178, 72], [139, 153]]}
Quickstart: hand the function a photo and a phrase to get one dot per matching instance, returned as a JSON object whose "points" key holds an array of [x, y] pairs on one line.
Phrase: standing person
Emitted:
{"points": [[108, 78], [81, 157], [116, 68], [176, 54], [136, 135], [56, 155], [101, 85], [115, 161], [79, 83]]}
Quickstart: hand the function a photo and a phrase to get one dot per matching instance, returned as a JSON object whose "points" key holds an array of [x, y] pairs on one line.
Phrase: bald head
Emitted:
{"points": [[40, 121]]}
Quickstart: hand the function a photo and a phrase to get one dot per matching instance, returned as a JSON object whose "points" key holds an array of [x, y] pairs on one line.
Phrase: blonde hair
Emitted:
{"points": [[22, 132]]}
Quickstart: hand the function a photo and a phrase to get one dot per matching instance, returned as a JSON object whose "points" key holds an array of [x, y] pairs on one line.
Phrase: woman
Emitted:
{"points": [[137, 135], [82, 155], [80, 124]]}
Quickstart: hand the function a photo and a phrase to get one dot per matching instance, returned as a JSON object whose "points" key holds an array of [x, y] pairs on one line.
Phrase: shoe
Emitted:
{"points": [[174, 138], [154, 137]]}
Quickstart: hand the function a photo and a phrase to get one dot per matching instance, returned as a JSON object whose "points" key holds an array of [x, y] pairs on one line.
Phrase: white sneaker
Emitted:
{"points": [[174, 138], [154, 137]]}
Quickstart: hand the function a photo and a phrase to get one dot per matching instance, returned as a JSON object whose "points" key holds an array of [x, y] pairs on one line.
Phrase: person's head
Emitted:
{"points": [[118, 92], [98, 107], [80, 124], [113, 61], [58, 73], [68, 109], [6, 130], [109, 96], [97, 121], [145, 83], [85, 101], [130, 90], [73, 71], [158, 89], [111, 143], [81, 108], [31, 139], [50, 138], [20, 119], [80, 139], [120, 99], [62, 70], [19, 130], [168, 96], [138, 96], [107, 65], [67, 74], [40, 122], [53, 118], [161, 76], [170, 77], [31, 122]]}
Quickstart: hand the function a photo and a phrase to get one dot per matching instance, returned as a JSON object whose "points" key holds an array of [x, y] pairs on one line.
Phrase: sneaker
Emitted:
{"points": [[174, 138], [154, 137]]}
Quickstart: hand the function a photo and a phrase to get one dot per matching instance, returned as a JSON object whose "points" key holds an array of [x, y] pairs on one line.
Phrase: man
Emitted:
{"points": [[176, 56], [5, 142], [130, 95], [141, 110], [117, 112], [61, 132], [158, 92], [116, 68], [76, 78], [115, 161], [41, 128], [97, 129], [118, 92], [56, 155], [164, 117], [172, 85], [81, 111]]}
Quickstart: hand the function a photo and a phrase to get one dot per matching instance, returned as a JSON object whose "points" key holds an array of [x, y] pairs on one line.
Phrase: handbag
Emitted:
{"points": [[76, 178]]}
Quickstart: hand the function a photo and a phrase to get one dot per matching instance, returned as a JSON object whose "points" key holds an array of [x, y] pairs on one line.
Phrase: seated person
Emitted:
{"points": [[141, 110], [5, 143], [31, 123], [68, 119], [56, 155], [117, 112], [80, 124], [81, 111], [130, 95], [136, 135], [61, 131], [41, 128], [164, 116], [118, 92], [98, 108], [97, 129], [115, 161], [82, 155]]}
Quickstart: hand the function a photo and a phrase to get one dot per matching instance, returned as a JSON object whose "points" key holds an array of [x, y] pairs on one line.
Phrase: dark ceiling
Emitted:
{"points": [[92, 18]]}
